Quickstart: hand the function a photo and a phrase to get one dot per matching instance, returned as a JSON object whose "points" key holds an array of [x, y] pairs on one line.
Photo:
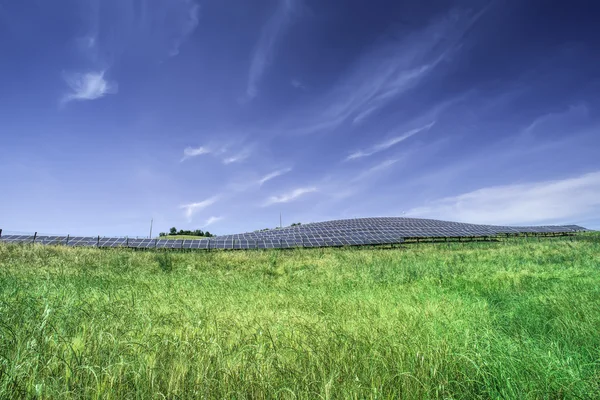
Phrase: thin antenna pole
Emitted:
{"points": [[151, 221]]}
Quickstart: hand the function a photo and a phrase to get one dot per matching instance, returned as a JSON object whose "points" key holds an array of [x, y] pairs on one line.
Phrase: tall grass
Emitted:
{"points": [[494, 320]]}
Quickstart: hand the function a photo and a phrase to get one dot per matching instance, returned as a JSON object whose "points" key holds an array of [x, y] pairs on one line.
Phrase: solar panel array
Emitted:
{"points": [[349, 232]]}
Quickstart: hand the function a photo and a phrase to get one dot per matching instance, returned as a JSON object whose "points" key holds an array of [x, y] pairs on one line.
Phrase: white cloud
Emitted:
{"points": [[88, 86], [273, 175], [152, 30], [188, 25], [211, 221], [543, 202], [560, 123], [190, 152], [290, 196], [239, 157], [385, 74], [388, 143], [193, 208], [297, 84], [373, 170], [221, 151], [266, 44]]}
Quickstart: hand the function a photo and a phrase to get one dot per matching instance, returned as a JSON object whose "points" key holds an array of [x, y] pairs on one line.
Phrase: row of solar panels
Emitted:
{"points": [[399, 232], [351, 232], [216, 243]]}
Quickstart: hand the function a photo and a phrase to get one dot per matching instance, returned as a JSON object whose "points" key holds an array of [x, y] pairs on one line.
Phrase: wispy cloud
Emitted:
{"points": [[273, 175], [375, 169], [221, 151], [190, 152], [238, 157], [193, 208], [155, 29], [557, 123], [211, 221], [296, 83], [290, 196], [269, 37], [388, 143], [540, 202], [88, 86], [385, 74], [188, 25]]}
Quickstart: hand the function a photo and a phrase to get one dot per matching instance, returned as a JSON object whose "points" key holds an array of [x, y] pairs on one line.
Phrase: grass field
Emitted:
{"points": [[512, 320]]}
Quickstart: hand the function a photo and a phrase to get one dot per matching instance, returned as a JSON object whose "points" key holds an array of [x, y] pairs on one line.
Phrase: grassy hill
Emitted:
{"points": [[519, 319], [181, 237]]}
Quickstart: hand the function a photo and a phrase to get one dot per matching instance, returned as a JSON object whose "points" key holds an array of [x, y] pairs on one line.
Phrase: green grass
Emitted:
{"points": [[517, 320]]}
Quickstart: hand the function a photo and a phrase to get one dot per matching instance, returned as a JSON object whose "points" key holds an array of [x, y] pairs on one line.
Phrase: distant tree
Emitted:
{"points": [[184, 232], [296, 224]]}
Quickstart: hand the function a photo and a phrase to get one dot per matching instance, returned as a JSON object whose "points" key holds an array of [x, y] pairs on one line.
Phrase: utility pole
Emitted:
{"points": [[151, 221]]}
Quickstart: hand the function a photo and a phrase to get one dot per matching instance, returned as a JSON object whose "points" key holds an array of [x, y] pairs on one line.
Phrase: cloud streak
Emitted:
{"points": [[290, 196], [192, 208], [542, 202], [297, 84], [269, 37], [88, 86], [152, 29], [387, 143], [219, 151], [190, 152], [238, 157], [273, 175], [115, 27], [211, 221], [375, 169], [188, 26], [385, 74]]}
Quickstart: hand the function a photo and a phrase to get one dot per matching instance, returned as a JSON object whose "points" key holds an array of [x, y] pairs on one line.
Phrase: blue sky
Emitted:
{"points": [[220, 115]]}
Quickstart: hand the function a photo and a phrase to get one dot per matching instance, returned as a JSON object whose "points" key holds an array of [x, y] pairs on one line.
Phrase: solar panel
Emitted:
{"points": [[350, 232]]}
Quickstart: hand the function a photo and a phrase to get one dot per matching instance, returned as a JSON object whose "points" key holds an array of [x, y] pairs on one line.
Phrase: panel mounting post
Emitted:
{"points": [[34, 236]]}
